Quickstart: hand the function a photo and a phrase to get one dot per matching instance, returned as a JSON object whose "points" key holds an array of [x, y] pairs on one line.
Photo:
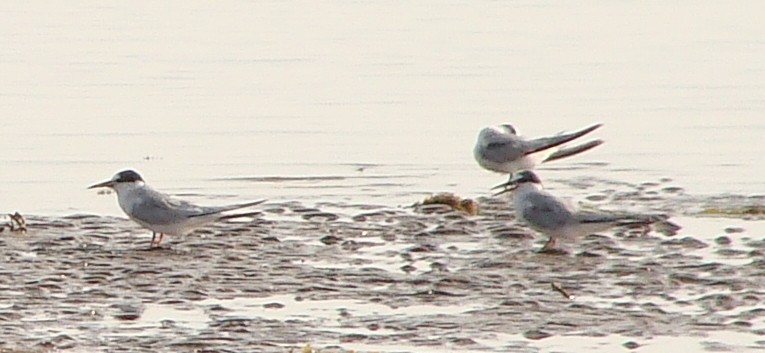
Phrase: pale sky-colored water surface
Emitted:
{"points": [[191, 93]]}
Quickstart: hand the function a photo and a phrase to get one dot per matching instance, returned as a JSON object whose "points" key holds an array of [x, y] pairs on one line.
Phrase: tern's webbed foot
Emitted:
{"points": [[551, 248], [553, 251], [154, 248]]}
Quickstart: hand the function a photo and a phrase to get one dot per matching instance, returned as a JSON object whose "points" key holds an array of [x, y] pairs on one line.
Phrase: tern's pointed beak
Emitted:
{"points": [[106, 184], [507, 186]]}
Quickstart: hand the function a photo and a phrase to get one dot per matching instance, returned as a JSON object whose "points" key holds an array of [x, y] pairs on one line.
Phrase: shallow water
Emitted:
{"points": [[358, 110], [209, 98]]}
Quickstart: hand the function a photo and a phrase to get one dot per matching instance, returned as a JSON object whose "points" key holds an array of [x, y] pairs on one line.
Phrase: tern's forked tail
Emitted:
{"points": [[540, 144], [216, 210], [574, 150], [242, 205], [619, 219], [240, 215]]}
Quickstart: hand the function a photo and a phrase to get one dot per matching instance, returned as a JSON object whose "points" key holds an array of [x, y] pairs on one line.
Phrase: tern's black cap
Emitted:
{"points": [[526, 176], [127, 176]]}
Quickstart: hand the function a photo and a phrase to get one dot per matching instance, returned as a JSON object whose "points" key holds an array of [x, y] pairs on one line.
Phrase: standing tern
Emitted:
{"points": [[558, 219], [161, 213], [501, 149]]}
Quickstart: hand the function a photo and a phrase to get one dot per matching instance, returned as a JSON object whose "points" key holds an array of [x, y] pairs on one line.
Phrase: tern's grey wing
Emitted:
{"points": [[219, 209], [617, 219], [573, 150], [501, 148], [544, 211], [543, 143], [591, 217], [157, 208]]}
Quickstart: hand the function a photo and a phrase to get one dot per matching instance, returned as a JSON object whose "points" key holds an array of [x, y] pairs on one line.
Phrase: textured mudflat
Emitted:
{"points": [[371, 278]]}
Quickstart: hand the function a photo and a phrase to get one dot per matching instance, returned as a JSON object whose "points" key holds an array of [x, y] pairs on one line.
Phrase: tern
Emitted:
{"points": [[500, 148], [558, 219], [161, 213]]}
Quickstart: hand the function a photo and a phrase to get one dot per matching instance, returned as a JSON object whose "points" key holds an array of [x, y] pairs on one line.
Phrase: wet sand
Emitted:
{"points": [[346, 276]]}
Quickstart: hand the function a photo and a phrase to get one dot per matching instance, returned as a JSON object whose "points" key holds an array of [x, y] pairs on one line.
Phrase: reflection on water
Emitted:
{"points": [[196, 92]]}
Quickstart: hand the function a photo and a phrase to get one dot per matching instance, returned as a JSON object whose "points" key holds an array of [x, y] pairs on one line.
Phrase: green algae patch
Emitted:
{"points": [[750, 211]]}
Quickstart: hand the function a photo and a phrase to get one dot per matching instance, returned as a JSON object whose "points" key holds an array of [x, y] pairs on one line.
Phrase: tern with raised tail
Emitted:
{"points": [[161, 213], [500, 149], [558, 219]]}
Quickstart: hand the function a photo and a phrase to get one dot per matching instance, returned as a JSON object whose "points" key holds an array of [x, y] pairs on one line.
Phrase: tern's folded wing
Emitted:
{"points": [[543, 143], [574, 150], [219, 209], [157, 208], [621, 219], [544, 211], [501, 149]]}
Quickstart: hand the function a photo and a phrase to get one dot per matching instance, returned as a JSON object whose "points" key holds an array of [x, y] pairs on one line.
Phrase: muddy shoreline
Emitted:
{"points": [[343, 276]]}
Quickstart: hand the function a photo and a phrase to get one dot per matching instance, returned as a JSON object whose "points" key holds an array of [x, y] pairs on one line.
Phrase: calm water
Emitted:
{"points": [[195, 93]]}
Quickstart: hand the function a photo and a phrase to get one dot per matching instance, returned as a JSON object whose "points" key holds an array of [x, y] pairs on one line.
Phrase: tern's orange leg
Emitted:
{"points": [[551, 244], [154, 236]]}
